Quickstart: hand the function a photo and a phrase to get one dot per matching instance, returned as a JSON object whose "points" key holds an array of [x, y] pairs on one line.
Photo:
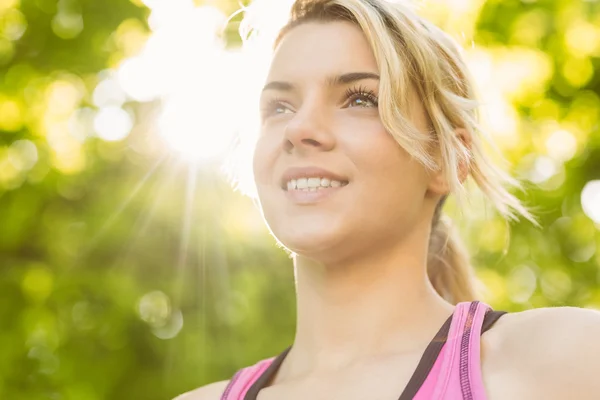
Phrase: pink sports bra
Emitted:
{"points": [[448, 370]]}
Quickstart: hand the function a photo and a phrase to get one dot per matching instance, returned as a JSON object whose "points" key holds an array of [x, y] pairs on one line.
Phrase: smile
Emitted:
{"points": [[313, 184]]}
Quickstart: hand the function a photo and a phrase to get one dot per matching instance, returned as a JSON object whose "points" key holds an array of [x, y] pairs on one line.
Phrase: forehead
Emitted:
{"points": [[315, 49]]}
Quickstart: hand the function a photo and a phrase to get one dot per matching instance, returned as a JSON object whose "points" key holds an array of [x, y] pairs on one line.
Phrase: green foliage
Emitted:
{"points": [[118, 281]]}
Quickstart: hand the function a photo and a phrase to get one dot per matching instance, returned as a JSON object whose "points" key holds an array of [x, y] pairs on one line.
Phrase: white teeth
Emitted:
{"points": [[301, 183], [313, 184]]}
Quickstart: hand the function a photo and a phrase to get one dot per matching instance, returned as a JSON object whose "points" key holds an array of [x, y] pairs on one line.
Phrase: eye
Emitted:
{"points": [[361, 97], [274, 107]]}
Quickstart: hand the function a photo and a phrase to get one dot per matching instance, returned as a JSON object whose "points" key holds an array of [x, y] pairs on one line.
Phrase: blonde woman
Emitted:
{"points": [[368, 123]]}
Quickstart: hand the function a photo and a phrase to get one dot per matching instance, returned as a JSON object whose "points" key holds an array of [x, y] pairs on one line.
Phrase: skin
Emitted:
{"points": [[365, 306]]}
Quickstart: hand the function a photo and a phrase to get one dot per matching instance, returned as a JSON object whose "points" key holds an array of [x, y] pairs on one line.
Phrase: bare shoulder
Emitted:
{"points": [[558, 346], [212, 391], [553, 320], [564, 327]]}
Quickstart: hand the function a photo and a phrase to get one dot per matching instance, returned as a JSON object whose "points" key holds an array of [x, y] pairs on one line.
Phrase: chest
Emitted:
{"points": [[384, 380], [387, 379], [383, 385]]}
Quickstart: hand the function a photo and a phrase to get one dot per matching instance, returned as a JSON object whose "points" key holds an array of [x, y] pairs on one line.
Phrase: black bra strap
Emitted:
{"points": [[426, 363], [266, 376], [490, 319]]}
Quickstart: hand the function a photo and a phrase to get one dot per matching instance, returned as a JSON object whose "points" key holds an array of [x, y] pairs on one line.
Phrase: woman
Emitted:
{"points": [[367, 124]]}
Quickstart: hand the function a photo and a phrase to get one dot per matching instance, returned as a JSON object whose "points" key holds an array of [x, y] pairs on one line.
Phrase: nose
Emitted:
{"points": [[309, 129]]}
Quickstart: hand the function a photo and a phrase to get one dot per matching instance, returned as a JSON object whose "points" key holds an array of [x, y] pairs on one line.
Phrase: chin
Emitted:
{"points": [[309, 242], [308, 234]]}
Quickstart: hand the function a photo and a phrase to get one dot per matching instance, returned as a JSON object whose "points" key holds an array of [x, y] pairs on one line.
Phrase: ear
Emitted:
{"points": [[438, 183]]}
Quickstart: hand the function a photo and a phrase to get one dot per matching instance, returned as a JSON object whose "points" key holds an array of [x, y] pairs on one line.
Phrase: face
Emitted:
{"points": [[319, 109]]}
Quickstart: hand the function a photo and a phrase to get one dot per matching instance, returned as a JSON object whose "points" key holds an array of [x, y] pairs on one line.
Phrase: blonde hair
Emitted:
{"points": [[420, 56]]}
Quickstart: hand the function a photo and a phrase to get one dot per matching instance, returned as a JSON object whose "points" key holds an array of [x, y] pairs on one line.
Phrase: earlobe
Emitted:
{"points": [[464, 166], [438, 183]]}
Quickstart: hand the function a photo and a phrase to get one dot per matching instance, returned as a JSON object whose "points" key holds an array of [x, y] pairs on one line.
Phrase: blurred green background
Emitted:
{"points": [[130, 269]]}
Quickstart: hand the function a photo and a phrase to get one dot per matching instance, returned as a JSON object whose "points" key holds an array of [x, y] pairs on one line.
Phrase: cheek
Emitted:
{"points": [[264, 162], [374, 150], [384, 166]]}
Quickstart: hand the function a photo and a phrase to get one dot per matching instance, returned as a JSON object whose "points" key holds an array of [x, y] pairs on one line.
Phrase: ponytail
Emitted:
{"points": [[448, 262]]}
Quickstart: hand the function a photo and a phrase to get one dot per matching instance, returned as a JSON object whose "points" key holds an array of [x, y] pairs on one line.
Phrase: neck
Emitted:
{"points": [[370, 306]]}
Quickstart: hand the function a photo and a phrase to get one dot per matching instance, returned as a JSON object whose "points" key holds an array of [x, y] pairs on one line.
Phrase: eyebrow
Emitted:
{"points": [[332, 81]]}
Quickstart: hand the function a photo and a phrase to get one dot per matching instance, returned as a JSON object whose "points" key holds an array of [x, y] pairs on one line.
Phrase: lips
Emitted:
{"points": [[309, 172]]}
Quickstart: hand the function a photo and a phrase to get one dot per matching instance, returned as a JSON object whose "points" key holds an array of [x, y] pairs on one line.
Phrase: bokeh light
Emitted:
{"points": [[543, 169], [112, 123], [590, 200], [561, 145], [109, 92]]}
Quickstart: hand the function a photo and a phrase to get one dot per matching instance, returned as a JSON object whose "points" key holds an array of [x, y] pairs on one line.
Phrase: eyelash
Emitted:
{"points": [[350, 94], [361, 91], [271, 105]]}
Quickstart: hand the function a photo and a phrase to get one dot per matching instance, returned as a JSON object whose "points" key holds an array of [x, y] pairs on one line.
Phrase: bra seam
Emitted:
{"points": [[450, 354], [464, 367], [231, 384], [474, 354]]}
